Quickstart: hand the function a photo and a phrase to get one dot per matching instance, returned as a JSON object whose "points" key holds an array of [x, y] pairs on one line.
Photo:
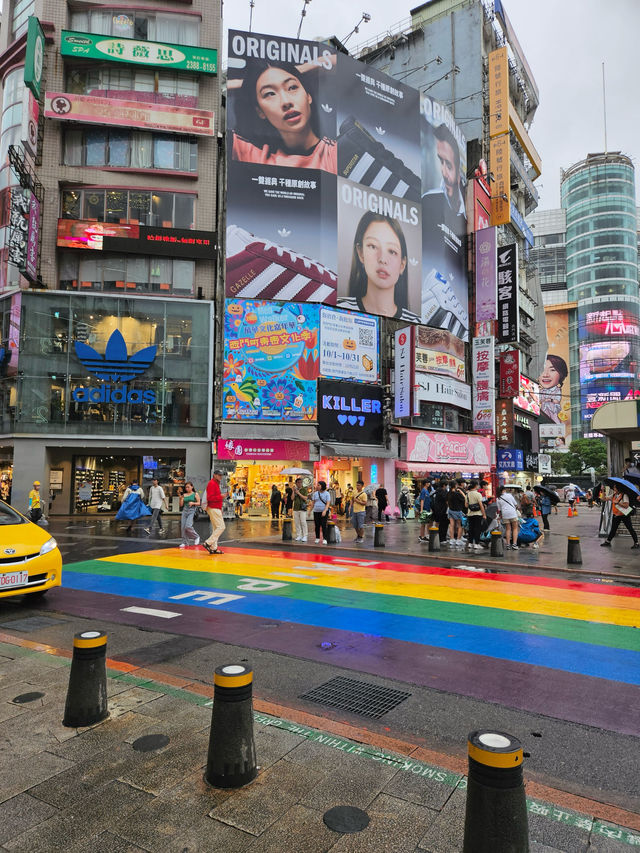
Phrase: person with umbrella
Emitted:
{"points": [[546, 499], [621, 510]]}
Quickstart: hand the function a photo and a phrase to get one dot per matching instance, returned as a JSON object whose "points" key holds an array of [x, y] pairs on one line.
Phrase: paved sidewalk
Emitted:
{"points": [[91, 791]]}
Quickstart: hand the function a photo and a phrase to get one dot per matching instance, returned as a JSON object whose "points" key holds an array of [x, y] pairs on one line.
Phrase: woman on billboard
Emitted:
{"points": [[378, 282], [277, 119], [550, 381]]}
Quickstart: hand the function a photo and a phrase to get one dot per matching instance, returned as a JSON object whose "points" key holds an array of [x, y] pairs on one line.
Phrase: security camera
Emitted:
{"points": [[366, 17]]}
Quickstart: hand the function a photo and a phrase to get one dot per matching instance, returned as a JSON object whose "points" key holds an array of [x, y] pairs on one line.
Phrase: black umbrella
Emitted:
{"points": [[549, 492], [633, 478], [623, 486]]}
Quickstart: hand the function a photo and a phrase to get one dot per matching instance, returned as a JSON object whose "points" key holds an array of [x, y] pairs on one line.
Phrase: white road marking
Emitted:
{"points": [[361, 562], [326, 567], [149, 611], [293, 575]]}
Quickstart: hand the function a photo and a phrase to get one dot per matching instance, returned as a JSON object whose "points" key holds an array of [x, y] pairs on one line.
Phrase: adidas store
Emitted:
{"points": [[93, 378]]}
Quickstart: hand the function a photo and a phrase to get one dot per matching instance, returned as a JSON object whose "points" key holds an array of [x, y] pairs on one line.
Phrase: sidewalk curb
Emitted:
{"points": [[443, 555], [445, 768]]}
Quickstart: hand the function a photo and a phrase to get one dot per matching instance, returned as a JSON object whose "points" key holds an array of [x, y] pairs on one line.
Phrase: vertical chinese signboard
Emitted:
{"points": [[508, 301], [500, 160], [498, 92], [510, 373], [486, 275], [19, 226], [483, 365], [500, 144], [504, 423], [403, 373], [33, 240]]}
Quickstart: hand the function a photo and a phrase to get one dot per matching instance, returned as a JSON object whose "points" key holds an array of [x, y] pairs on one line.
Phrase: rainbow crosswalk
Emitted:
{"points": [[586, 629]]}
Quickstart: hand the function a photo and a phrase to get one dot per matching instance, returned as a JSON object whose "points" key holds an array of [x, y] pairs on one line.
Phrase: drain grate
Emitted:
{"points": [[359, 697], [32, 623]]}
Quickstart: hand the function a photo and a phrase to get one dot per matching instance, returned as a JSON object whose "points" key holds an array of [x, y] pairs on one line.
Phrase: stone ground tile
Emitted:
{"points": [[419, 789], [160, 771], [129, 700], [534, 847], [396, 826], [300, 830], [172, 724], [84, 777], [255, 807], [106, 842], [174, 706], [104, 735], [20, 813], [8, 711], [354, 781], [273, 744], [569, 839], [34, 670], [446, 833], [15, 688], [106, 807], [208, 835], [32, 732], [19, 776]]}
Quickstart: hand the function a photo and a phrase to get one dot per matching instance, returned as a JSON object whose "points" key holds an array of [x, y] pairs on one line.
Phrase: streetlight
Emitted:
{"points": [[366, 17], [302, 15]]}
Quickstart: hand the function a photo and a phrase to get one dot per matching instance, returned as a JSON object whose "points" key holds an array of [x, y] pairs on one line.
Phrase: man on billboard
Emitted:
{"points": [[444, 222]]}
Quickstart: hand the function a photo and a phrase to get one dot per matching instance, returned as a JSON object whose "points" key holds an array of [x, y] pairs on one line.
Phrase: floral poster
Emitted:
{"points": [[271, 361]]}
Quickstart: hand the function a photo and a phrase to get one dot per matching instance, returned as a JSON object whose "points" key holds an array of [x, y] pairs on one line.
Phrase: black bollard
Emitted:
{"points": [[497, 545], [434, 538], [87, 692], [331, 533], [574, 554], [286, 529], [496, 812], [378, 536], [231, 759]]}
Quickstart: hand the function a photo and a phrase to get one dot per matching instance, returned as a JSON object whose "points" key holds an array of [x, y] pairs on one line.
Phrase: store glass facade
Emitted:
{"points": [[167, 392], [598, 195]]}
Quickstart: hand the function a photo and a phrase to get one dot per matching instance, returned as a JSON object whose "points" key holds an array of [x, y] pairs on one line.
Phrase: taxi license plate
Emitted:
{"points": [[10, 579]]}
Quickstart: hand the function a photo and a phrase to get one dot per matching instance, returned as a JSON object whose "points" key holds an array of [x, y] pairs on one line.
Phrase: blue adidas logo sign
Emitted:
{"points": [[115, 366]]}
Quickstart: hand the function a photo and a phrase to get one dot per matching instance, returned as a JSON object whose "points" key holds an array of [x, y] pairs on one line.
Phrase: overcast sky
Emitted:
{"points": [[565, 42]]}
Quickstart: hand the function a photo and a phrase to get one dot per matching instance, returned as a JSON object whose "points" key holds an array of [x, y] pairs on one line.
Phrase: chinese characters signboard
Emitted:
{"points": [[486, 275], [510, 373], [176, 57], [504, 422], [238, 448], [402, 373], [508, 328], [483, 367], [510, 460]]}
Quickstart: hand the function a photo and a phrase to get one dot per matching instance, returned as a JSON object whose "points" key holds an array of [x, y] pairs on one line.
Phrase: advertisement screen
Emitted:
{"points": [[529, 397], [438, 351], [349, 412], [271, 361], [555, 396], [343, 188], [608, 321], [348, 345], [606, 360]]}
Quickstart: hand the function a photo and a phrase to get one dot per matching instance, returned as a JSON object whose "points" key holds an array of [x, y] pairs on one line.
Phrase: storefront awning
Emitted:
{"points": [[618, 420], [271, 432], [432, 468], [356, 450]]}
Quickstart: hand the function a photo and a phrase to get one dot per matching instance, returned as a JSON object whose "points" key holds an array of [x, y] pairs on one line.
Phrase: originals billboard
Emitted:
{"points": [[344, 188]]}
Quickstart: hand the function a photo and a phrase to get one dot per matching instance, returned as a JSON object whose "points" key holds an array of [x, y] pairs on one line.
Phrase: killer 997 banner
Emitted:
{"points": [[343, 187]]}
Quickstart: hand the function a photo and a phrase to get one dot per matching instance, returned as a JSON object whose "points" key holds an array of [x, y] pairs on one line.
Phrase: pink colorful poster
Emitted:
{"points": [[240, 448], [91, 109], [448, 449]]}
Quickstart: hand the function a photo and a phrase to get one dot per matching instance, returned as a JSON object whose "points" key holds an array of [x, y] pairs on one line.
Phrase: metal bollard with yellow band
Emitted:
{"points": [[231, 758], [496, 810], [86, 702]]}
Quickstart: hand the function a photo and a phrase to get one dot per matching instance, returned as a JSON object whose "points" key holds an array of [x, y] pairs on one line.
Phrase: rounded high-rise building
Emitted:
{"points": [[598, 195]]}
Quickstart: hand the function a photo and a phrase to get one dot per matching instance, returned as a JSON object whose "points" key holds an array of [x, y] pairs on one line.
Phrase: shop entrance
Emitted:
{"points": [[99, 482]]}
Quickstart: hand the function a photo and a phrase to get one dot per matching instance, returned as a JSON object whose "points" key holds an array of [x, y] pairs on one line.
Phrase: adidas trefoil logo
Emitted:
{"points": [[116, 365], [327, 108]]}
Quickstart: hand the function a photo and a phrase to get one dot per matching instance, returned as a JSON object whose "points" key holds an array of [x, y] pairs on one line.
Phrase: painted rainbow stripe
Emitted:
{"points": [[561, 625]]}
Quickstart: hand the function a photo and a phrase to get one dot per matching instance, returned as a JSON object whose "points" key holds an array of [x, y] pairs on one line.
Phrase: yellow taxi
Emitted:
{"points": [[30, 560]]}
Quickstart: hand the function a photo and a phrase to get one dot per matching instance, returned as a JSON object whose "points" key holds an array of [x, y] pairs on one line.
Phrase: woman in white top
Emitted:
{"points": [[509, 513]]}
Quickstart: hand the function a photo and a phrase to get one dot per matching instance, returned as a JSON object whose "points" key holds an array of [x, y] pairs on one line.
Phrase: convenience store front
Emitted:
{"points": [[104, 391]]}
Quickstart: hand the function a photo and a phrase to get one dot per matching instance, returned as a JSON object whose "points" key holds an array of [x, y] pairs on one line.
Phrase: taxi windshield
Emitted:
{"points": [[10, 516]]}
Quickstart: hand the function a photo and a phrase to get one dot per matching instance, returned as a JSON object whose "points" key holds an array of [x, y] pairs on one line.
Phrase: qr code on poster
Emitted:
{"points": [[367, 337]]}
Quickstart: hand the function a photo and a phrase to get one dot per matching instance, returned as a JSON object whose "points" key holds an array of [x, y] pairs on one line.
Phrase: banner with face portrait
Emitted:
{"points": [[343, 188], [555, 393]]}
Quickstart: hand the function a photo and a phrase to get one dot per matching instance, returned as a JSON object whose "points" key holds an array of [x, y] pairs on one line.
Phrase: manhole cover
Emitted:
{"points": [[346, 819], [23, 698], [147, 743], [359, 697], [32, 623]]}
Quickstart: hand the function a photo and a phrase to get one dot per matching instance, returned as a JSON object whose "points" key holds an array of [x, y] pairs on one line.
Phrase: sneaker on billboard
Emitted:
{"points": [[441, 307], [363, 159], [260, 269]]}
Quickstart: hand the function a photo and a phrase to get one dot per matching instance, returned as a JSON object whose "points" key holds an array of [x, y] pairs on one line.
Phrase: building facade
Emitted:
{"points": [[110, 156], [467, 56]]}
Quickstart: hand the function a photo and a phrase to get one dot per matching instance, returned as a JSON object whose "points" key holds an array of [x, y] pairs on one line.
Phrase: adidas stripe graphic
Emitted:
{"points": [[259, 269]]}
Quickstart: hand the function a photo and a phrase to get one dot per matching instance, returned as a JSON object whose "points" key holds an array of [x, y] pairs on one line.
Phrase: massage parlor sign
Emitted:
{"points": [[458, 450]]}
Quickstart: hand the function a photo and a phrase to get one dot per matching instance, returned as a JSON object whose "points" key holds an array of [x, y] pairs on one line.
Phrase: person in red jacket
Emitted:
{"points": [[214, 511]]}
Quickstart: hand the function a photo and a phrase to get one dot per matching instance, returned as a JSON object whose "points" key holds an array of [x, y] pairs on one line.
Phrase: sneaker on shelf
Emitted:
{"points": [[260, 269]]}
